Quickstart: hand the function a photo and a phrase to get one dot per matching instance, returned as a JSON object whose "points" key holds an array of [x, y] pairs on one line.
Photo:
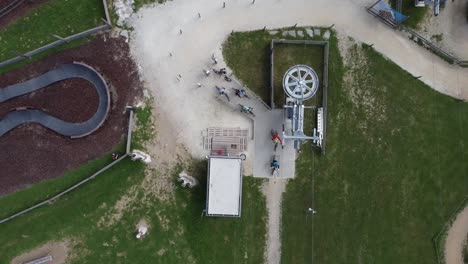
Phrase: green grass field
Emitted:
{"points": [[140, 3], [46, 189], [23, 199], [71, 44], [60, 17], [178, 233], [289, 55], [100, 217], [394, 170], [415, 15], [255, 45]]}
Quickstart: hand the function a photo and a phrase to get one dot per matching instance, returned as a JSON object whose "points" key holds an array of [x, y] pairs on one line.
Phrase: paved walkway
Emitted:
{"points": [[260, 147], [452, 26], [350, 18], [455, 242], [63, 72], [264, 148]]}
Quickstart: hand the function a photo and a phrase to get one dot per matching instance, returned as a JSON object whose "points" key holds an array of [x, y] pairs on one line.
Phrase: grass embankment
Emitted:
{"points": [[62, 18], [289, 55], [23, 199], [256, 46], [140, 3], [246, 47], [394, 170], [400, 147], [72, 44], [100, 217]]}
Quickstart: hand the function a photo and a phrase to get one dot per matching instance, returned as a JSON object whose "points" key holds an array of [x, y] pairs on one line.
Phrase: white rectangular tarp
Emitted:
{"points": [[224, 194]]}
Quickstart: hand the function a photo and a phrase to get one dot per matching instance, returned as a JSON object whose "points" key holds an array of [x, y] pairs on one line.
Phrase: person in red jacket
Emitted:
{"points": [[276, 139]]}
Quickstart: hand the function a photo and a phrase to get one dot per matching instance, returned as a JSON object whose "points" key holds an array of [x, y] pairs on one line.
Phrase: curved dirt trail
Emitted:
{"points": [[456, 239], [157, 33]]}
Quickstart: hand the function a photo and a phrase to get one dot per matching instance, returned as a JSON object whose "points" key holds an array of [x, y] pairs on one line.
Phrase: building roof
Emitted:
{"points": [[224, 190]]}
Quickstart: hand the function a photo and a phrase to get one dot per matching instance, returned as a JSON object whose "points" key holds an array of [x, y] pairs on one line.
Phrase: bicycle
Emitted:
{"points": [[247, 110]]}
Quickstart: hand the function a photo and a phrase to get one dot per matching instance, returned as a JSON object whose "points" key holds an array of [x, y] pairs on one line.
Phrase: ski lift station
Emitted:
{"points": [[224, 186], [300, 83]]}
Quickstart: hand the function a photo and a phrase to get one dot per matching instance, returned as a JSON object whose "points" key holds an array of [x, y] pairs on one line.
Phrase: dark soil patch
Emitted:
{"points": [[18, 12], [73, 100], [31, 153]]}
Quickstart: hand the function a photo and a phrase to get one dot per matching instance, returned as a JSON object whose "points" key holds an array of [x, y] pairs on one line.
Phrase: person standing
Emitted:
{"points": [[276, 139], [222, 91]]}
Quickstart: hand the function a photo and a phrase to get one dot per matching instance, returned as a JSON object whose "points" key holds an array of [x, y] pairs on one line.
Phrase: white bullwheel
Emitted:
{"points": [[300, 82]]}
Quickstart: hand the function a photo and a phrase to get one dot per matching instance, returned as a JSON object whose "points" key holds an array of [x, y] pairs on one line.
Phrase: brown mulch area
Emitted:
{"points": [[18, 12], [30, 152], [50, 99]]}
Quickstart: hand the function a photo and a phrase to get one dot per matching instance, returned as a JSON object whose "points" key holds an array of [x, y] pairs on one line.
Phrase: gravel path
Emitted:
{"points": [[452, 25], [456, 239], [157, 34], [273, 190], [171, 40]]}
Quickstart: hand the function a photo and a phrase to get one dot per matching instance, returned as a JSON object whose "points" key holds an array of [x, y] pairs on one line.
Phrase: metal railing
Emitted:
{"points": [[428, 44], [251, 93], [325, 94], [55, 197], [420, 39], [325, 45], [12, 6], [61, 40]]}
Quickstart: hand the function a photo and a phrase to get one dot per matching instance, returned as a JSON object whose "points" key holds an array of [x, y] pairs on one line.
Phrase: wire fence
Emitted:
{"points": [[251, 93], [325, 94], [60, 40], [439, 238], [28, 55], [75, 186], [415, 36], [394, 19], [325, 45], [10, 7]]}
